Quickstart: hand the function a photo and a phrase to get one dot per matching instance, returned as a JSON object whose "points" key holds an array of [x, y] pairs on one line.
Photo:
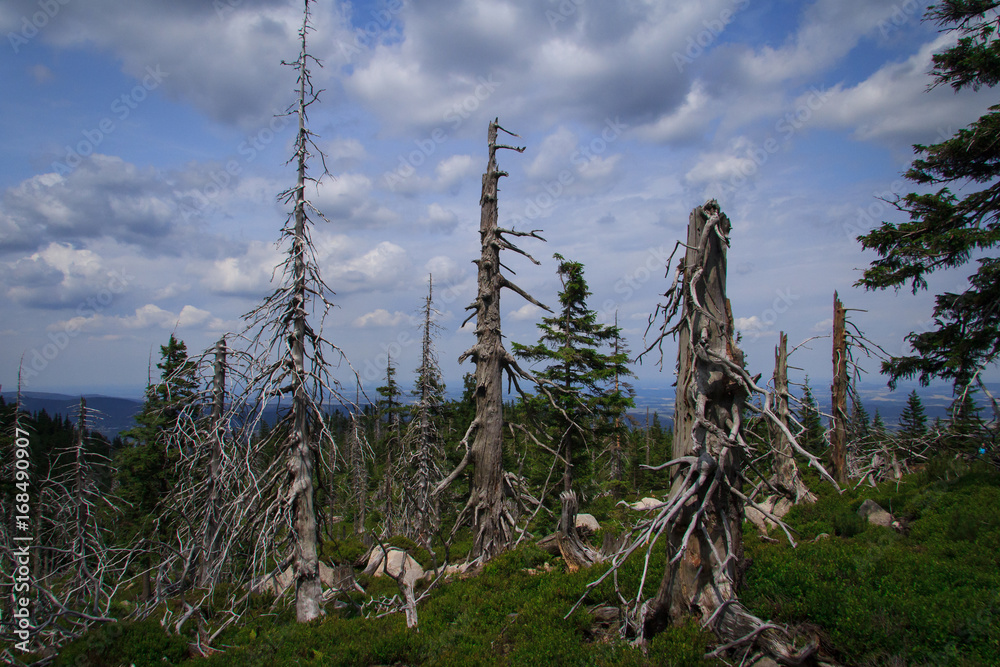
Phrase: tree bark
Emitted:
{"points": [[786, 478], [301, 451], [704, 514], [838, 390]]}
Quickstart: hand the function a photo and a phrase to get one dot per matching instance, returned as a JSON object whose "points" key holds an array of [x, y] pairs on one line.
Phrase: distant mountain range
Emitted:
{"points": [[107, 415], [113, 415]]}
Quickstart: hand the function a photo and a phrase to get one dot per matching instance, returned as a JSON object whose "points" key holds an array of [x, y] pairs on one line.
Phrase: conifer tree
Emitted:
{"points": [[145, 467], [858, 423], [571, 343], [808, 415], [946, 230], [913, 419]]}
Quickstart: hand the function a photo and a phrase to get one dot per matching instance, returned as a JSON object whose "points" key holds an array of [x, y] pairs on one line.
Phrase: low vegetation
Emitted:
{"points": [[927, 593]]}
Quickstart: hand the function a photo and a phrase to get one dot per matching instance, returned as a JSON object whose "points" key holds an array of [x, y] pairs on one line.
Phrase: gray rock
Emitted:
{"points": [[587, 522], [875, 514]]}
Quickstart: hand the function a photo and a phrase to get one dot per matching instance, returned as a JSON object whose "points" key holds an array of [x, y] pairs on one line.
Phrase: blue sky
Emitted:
{"points": [[142, 157]]}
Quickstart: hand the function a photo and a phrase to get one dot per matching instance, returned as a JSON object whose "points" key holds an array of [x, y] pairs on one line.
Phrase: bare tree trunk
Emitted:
{"points": [[492, 518], [301, 453], [213, 508], [838, 390], [704, 513], [786, 478], [708, 407]]}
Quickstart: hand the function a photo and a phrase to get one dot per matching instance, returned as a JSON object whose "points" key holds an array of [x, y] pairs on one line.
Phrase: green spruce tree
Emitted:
{"points": [[945, 229], [808, 415], [570, 344], [145, 466], [913, 419]]}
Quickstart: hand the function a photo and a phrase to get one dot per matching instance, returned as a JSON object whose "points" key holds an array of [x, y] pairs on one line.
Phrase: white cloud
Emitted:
{"points": [[686, 123], [529, 312], [439, 219], [149, 316], [895, 104], [380, 317]]}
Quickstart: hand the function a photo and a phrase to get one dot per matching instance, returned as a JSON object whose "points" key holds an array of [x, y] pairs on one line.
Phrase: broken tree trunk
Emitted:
{"points": [[786, 478], [574, 550], [492, 501], [704, 514], [208, 553], [838, 390]]}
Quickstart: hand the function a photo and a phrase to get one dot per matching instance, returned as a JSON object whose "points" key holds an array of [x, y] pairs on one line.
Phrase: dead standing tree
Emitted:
{"points": [[703, 513], [786, 478], [300, 369], [422, 443], [838, 391], [491, 513]]}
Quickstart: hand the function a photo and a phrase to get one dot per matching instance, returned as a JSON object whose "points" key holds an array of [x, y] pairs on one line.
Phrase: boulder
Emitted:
{"points": [[398, 561], [587, 522], [775, 505], [875, 514], [646, 504]]}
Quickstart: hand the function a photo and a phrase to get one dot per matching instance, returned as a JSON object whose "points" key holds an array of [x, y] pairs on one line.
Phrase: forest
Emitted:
{"points": [[267, 508]]}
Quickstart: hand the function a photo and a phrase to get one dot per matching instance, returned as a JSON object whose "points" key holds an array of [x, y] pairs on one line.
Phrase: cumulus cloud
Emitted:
{"points": [[57, 276], [439, 219], [593, 63], [149, 316], [223, 57], [894, 103], [529, 312], [380, 317]]}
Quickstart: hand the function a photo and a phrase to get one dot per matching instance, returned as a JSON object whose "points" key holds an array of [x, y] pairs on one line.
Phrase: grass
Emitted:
{"points": [[927, 596]]}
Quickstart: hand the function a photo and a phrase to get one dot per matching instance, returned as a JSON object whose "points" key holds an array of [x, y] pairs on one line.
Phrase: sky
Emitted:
{"points": [[144, 147]]}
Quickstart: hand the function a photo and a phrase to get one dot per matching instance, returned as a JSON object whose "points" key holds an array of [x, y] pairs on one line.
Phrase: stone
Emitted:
{"points": [[646, 504], [587, 522], [875, 514], [398, 561]]}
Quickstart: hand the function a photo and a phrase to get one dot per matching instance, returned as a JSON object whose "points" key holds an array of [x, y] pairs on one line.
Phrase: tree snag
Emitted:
{"points": [[703, 513], [492, 501], [785, 478], [838, 390]]}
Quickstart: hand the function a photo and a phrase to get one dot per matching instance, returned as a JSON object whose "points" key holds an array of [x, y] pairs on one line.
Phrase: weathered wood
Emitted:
{"points": [[703, 515], [786, 478], [209, 549], [492, 502], [574, 551], [838, 390]]}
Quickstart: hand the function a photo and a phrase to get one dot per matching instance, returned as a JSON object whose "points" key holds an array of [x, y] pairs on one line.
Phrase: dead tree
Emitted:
{"points": [[703, 514], [492, 499], [838, 391], [422, 444], [785, 473], [358, 455], [282, 330], [214, 505]]}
